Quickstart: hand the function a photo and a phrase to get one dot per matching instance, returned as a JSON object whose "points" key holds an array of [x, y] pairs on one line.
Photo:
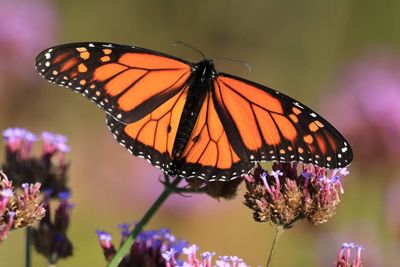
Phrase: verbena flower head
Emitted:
{"points": [[292, 191], [162, 249], [50, 237], [19, 142], [345, 259], [50, 168], [18, 210]]}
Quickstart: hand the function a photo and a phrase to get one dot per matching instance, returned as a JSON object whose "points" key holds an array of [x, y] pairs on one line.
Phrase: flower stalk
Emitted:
{"points": [[278, 231], [123, 250]]}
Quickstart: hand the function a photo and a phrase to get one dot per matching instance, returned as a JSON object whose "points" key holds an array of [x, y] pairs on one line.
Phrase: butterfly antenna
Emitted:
{"points": [[191, 47], [244, 63]]}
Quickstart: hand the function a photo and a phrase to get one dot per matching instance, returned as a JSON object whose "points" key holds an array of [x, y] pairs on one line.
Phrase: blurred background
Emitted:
{"points": [[341, 58]]}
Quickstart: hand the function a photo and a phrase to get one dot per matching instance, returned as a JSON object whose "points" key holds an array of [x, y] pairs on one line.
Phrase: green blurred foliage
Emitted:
{"points": [[294, 46]]}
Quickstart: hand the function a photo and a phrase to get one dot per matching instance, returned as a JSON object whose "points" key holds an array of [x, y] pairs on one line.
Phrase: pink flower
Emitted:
{"points": [[367, 91], [26, 27]]}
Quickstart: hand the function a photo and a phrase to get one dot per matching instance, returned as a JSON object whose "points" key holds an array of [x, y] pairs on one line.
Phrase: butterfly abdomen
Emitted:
{"points": [[199, 86]]}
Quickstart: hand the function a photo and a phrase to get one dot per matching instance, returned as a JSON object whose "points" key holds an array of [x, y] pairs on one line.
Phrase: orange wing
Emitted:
{"points": [[209, 154], [127, 82], [263, 125], [153, 136]]}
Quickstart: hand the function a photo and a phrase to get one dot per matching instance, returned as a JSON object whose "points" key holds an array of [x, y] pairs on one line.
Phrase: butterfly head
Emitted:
{"points": [[205, 70]]}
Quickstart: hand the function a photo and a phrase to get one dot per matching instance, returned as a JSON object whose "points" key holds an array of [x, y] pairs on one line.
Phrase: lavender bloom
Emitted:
{"points": [[288, 194], [49, 169], [344, 255], [105, 243], [19, 142], [162, 249], [359, 231], [369, 95]]}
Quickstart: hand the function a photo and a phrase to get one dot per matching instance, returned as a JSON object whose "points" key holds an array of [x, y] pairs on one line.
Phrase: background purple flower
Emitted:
{"points": [[25, 28], [360, 232], [367, 94]]}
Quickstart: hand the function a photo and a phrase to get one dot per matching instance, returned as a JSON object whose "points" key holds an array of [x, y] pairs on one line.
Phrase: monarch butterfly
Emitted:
{"points": [[187, 118]]}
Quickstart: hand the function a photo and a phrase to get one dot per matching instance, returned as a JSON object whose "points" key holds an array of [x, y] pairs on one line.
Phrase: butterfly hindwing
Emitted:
{"points": [[152, 137], [209, 154], [127, 82], [266, 125]]}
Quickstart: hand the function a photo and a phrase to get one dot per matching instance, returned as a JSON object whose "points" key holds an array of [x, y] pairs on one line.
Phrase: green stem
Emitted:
{"points": [[123, 250], [28, 237], [278, 231]]}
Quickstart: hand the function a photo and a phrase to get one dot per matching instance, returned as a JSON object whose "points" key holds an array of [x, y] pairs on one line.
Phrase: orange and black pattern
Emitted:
{"points": [[186, 118]]}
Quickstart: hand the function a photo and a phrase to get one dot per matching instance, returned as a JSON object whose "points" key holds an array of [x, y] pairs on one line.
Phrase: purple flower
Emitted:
{"points": [[344, 255], [289, 193], [17, 211], [359, 231], [367, 91], [19, 141], [53, 143], [161, 248], [49, 169], [26, 27]]}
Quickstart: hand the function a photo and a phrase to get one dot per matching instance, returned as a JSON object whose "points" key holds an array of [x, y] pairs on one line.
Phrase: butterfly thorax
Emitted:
{"points": [[200, 83]]}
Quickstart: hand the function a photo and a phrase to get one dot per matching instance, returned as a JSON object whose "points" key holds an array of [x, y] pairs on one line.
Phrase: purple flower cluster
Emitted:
{"points": [[205, 260], [19, 141], [17, 211], [288, 193], [49, 168], [344, 255], [162, 249]]}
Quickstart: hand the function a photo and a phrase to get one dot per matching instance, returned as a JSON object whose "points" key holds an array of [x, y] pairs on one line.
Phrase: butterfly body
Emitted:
{"points": [[199, 85], [187, 118]]}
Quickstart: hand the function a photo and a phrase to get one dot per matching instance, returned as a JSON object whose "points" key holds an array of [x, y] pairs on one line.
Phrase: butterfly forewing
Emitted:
{"points": [[127, 82]]}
